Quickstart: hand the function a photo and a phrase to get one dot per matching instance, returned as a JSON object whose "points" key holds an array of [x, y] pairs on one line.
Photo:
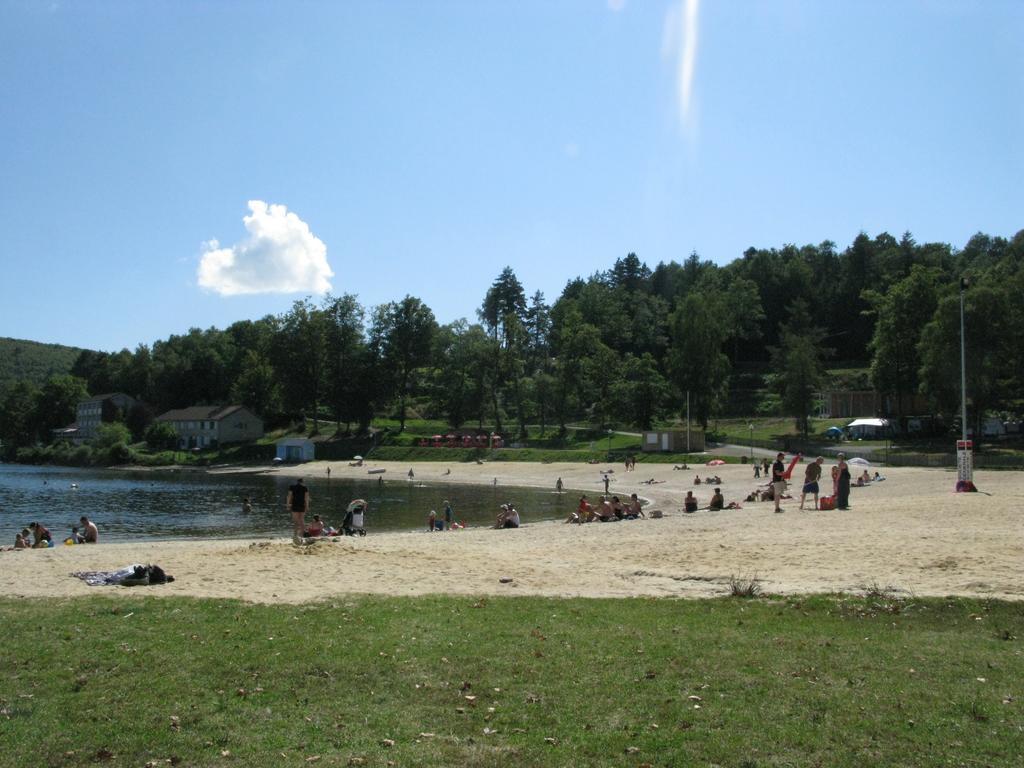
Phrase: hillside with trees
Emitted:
{"points": [[33, 362], [626, 346]]}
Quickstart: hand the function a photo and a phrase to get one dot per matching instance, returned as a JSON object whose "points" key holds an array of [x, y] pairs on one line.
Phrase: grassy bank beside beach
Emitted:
{"points": [[827, 680]]}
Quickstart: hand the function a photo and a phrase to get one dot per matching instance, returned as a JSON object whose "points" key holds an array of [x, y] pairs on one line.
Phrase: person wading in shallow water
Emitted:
{"points": [[298, 503]]}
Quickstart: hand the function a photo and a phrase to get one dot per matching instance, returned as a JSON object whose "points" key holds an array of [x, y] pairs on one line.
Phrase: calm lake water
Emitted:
{"points": [[177, 505]]}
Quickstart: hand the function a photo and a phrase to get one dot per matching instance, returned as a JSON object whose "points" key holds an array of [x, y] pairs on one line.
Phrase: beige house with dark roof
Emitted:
{"points": [[207, 426]]}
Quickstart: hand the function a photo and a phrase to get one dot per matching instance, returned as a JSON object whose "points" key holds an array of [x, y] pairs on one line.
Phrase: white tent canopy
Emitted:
{"points": [[867, 429], [868, 423]]}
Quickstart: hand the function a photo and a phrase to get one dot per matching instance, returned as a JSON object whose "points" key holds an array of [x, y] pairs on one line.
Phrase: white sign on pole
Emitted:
{"points": [[965, 461]]}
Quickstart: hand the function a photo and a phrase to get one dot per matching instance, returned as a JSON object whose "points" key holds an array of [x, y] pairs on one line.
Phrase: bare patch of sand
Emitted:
{"points": [[909, 532]]}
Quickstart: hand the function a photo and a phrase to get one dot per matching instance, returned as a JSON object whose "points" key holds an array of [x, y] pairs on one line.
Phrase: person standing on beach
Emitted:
{"points": [[298, 504], [449, 515], [843, 486], [778, 479], [811, 477], [606, 481], [558, 485]]}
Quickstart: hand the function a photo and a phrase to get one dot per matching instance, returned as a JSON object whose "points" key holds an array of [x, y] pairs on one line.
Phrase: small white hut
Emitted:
{"points": [[295, 449]]}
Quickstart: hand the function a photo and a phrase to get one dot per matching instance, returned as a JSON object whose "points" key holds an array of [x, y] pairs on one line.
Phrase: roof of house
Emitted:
{"points": [[101, 398], [200, 413]]}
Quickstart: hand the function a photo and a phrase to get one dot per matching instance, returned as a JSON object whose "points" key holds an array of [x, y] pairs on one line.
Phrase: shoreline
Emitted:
{"points": [[910, 532]]}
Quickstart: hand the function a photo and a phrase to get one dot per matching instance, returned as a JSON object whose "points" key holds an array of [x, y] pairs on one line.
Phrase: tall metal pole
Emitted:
{"points": [[688, 421], [963, 364]]}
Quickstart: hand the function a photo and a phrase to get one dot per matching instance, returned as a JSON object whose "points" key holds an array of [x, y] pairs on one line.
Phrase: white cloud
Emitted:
{"points": [[280, 255], [616, 5], [679, 45]]}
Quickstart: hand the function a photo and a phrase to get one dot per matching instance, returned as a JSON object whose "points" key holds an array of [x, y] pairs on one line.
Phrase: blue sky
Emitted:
{"points": [[165, 165]]}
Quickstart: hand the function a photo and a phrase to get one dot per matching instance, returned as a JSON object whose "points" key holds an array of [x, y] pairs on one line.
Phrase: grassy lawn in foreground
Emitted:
{"points": [[129, 680]]}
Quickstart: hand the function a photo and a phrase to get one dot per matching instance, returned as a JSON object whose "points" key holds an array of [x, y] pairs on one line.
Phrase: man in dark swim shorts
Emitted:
{"points": [[811, 477], [298, 503]]}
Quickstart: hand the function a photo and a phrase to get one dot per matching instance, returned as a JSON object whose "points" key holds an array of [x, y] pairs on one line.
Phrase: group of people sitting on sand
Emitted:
{"points": [[350, 526], [607, 510], [765, 493], [38, 536], [712, 480], [508, 517], [717, 502], [866, 478], [319, 528]]}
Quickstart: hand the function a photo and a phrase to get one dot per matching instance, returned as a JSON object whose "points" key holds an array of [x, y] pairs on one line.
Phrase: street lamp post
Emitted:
{"points": [[964, 449], [609, 445], [963, 363], [688, 423], [751, 427]]}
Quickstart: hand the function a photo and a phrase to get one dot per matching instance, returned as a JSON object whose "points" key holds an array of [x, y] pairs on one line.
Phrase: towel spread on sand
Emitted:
{"points": [[134, 575]]}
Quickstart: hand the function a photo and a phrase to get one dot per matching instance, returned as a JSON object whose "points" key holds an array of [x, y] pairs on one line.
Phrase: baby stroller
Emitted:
{"points": [[354, 519]]}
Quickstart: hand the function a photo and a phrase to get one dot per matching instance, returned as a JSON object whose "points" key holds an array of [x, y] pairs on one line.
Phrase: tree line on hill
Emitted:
{"points": [[627, 345], [33, 361]]}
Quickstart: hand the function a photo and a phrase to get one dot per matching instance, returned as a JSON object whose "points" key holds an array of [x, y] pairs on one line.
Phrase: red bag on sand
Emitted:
{"points": [[827, 502]]}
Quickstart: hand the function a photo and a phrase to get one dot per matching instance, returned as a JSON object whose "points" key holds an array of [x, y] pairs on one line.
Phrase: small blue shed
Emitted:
{"points": [[295, 449]]}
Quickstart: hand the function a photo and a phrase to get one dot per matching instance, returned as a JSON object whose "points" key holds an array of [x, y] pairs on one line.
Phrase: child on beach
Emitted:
{"points": [[316, 528], [582, 512]]}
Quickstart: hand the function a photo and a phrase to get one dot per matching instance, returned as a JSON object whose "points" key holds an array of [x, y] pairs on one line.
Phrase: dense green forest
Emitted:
{"points": [[628, 345], [33, 362]]}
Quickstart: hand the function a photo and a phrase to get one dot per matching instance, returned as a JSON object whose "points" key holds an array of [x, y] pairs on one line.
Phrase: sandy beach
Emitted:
{"points": [[910, 532]]}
